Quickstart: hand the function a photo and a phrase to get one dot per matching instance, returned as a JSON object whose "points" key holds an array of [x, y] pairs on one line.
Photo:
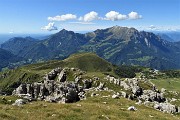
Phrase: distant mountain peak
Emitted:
{"points": [[119, 45]]}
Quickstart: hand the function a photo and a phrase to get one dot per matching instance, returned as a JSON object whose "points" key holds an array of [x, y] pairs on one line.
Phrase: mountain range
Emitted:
{"points": [[118, 45]]}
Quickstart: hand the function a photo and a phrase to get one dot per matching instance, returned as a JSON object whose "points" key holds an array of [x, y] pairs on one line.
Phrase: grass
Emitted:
{"points": [[94, 108], [34, 72], [171, 84]]}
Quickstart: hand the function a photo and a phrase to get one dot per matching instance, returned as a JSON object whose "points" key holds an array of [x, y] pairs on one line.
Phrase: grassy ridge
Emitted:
{"points": [[34, 73]]}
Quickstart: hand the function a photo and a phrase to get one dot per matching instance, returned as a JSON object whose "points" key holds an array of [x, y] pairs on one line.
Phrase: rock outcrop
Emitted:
{"points": [[148, 97], [57, 88], [53, 90]]}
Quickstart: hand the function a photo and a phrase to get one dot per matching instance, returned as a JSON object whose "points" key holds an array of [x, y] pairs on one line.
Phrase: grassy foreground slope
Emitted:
{"points": [[94, 108], [101, 107]]}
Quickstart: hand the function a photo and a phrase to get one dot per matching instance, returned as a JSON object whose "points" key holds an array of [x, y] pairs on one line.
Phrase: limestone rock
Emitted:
{"points": [[62, 76], [87, 84], [115, 96], [166, 107], [19, 102], [101, 86], [132, 108]]}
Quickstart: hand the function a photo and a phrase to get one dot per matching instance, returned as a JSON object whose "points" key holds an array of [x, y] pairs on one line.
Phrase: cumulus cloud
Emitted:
{"points": [[134, 15], [89, 17], [50, 27], [62, 17], [115, 16]]}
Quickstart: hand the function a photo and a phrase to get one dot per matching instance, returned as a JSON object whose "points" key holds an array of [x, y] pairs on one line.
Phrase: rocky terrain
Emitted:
{"points": [[86, 83], [57, 88]]}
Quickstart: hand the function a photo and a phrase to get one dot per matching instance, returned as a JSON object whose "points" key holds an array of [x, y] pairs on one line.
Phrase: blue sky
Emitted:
{"points": [[49, 16]]}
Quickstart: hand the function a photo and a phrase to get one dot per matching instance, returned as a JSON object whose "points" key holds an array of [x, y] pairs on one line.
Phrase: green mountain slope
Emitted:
{"points": [[16, 45], [121, 45], [30, 73], [6, 58], [118, 45]]}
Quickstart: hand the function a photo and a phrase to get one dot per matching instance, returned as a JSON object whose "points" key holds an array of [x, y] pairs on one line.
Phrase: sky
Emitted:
{"points": [[50, 16]]}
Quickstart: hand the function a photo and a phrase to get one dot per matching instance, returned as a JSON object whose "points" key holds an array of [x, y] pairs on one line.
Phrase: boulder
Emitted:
{"points": [[101, 86], [166, 107], [20, 90], [132, 108], [124, 85], [149, 95], [138, 91], [72, 95], [124, 94], [62, 76], [115, 96], [87, 84], [19, 102], [163, 90]]}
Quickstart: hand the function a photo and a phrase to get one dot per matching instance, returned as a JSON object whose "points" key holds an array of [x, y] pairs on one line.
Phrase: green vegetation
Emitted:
{"points": [[125, 71], [171, 84], [94, 108], [172, 73], [34, 73], [98, 107], [116, 44]]}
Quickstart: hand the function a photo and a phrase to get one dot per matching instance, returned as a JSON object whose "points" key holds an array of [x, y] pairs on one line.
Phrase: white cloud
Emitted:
{"points": [[134, 15], [50, 27], [115, 16], [84, 23], [89, 17], [62, 17]]}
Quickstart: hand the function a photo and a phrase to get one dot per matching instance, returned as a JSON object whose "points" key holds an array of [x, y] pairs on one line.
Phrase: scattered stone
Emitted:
{"points": [[19, 102], [163, 90], [101, 86], [115, 96], [132, 108], [139, 102], [151, 116], [106, 117], [123, 94], [78, 105], [94, 94], [87, 84], [3, 98], [105, 102], [105, 96]]}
